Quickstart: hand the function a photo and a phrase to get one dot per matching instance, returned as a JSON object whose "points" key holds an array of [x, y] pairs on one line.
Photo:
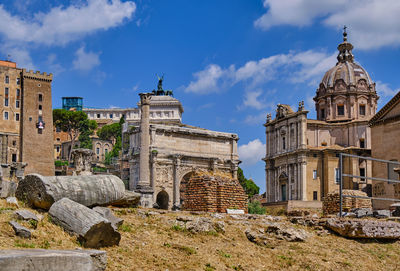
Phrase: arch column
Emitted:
{"points": [[176, 197]]}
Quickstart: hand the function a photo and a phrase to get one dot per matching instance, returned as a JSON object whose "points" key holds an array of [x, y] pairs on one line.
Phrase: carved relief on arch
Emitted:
{"points": [[362, 85], [340, 85]]}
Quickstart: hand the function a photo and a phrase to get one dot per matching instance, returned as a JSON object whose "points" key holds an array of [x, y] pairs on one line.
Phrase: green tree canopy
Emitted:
{"points": [[112, 132], [248, 185], [74, 123]]}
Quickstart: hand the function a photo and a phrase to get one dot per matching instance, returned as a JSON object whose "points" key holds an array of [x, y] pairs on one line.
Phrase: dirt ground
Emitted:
{"points": [[152, 242]]}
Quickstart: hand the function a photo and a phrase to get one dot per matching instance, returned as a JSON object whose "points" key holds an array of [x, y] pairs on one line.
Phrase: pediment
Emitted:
{"points": [[390, 110]]}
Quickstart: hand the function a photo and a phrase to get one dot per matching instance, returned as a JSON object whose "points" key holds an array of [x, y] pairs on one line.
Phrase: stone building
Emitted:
{"points": [[100, 149], [385, 131], [302, 155], [163, 153], [26, 121]]}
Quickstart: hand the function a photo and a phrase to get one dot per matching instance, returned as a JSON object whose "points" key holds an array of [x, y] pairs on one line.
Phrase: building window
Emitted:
{"points": [[337, 176], [6, 115], [315, 195], [362, 109], [14, 143], [6, 102], [58, 149], [362, 143], [314, 174], [18, 81], [40, 98], [58, 139], [14, 157], [97, 150], [362, 173], [17, 104], [283, 143], [7, 79], [17, 116], [58, 129], [6, 91], [111, 116], [40, 107], [340, 110], [98, 116], [106, 151], [322, 113], [18, 92]]}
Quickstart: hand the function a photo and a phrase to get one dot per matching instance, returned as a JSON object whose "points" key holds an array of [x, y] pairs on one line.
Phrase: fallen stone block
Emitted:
{"points": [[7, 189], [362, 212], [93, 230], [53, 260], [364, 228], [107, 214], [42, 191], [12, 201], [20, 231], [287, 233], [381, 213], [25, 215]]}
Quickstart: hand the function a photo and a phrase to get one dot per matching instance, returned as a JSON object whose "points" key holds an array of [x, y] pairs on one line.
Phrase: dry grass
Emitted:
{"points": [[151, 243]]}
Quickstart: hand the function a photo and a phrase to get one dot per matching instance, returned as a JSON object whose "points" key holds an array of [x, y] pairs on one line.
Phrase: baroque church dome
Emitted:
{"points": [[346, 91]]}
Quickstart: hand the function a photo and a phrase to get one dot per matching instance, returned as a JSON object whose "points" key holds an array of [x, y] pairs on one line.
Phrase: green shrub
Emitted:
{"points": [[60, 163], [256, 208]]}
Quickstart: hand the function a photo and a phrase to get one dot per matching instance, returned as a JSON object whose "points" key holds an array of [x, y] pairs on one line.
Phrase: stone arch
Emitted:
{"points": [[163, 200], [182, 187], [283, 186]]}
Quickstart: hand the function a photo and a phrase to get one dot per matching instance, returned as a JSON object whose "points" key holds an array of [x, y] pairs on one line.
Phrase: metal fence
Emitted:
{"points": [[365, 178]]}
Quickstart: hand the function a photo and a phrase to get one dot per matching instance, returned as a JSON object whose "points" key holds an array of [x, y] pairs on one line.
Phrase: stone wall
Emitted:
{"points": [[213, 194], [331, 203]]}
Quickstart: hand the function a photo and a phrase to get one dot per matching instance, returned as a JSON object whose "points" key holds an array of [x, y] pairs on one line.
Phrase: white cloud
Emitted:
{"points": [[19, 55], [373, 23], [206, 80], [297, 67], [85, 61], [252, 99], [62, 25], [384, 90], [252, 152]]}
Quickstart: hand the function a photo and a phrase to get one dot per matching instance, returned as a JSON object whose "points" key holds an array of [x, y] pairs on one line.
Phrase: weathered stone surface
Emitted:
{"points": [[331, 201], [200, 224], [381, 213], [53, 260], [285, 232], [25, 215], [7, 188], [20, 231], [362, 212], [42, 191], [108, 214], [364, 228], [258, 237], [93, 230], [12, 201], [82, 161]]}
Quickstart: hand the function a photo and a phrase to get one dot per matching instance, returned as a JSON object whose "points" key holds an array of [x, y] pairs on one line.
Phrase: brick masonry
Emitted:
{"points": [[330, 204], [213, 194]]}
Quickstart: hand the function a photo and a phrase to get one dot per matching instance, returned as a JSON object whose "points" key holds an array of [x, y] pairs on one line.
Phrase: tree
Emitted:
{"points": [[88, 127], [248, 185], [112, 132], [74, 123]]}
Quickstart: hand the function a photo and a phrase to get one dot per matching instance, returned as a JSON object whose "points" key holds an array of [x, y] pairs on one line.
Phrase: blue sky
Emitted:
{"points": [[228, 62]]}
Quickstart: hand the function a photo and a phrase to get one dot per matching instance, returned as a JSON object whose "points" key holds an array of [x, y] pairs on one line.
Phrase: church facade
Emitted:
{"points": [[302, 154]]}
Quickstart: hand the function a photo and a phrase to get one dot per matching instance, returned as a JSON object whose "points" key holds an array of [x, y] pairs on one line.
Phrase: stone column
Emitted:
{"points": [[177, 199], [143, 185], [303, 177]]}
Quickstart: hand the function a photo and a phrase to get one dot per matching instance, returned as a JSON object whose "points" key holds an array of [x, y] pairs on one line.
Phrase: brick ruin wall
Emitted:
{"points": [[331, 203], [213, 194]]}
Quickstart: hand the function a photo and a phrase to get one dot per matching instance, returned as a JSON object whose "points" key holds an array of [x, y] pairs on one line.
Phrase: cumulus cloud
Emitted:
{"points": [[252, 152], [385, 90], [373, 23], [85, 61], [252, 99], [297, 67], [64, 24], [256, 119]]}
